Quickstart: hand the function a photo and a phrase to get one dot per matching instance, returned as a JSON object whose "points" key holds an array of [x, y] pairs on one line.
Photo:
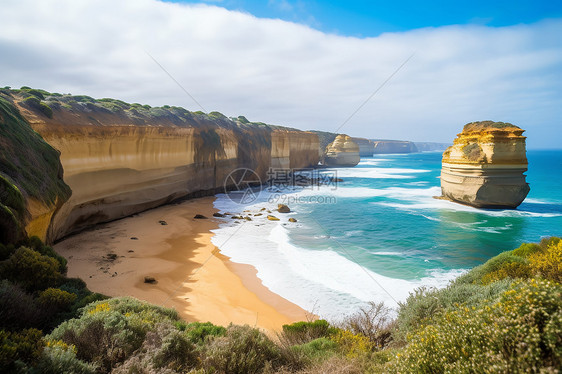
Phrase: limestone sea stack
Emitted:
{"points": [[485, 166], [342, 152]]}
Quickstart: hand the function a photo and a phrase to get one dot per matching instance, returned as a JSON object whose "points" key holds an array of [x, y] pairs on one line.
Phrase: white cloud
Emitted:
{"points": [[289, 74]]}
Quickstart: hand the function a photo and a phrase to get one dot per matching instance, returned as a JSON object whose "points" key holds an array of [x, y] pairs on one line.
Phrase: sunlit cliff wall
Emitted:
{"points": [[120, 162]]}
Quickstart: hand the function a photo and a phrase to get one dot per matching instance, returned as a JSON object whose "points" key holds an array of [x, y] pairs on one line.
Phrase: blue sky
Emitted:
{"points": [[365, 18]]}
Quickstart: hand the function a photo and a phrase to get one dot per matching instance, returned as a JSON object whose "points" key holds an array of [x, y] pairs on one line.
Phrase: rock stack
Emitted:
{"points": [[485, 166], [342, 152]]}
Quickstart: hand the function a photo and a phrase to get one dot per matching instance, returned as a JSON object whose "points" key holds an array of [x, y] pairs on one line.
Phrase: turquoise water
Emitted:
{"points": [[380, 233]]}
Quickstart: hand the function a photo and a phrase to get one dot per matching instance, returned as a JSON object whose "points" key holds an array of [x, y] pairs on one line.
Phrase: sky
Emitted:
{"points": [[408, 70]]}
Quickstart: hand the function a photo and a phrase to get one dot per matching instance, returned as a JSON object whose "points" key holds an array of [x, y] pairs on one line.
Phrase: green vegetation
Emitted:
{"points": [[29, 168], [487, 125], [503, 316]]}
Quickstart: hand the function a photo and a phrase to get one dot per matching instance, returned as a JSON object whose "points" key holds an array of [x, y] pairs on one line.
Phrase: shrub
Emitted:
{"points": [[425, 304], [200, 332], [31, 270], [164, 350], [21, 347], [373, 322], [242, 350], [494, 264], [34, 103], [56, 299], [6, 251], [514, 334], [108, 332], [304, 332], [353, 345], [526, 249], [18, 310], [58, 358], [548, 263], [37, 245]]}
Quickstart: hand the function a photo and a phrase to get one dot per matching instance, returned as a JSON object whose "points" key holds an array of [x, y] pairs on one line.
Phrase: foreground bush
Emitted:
{"points": [[108, 332], [518, 333], [242, 350]]}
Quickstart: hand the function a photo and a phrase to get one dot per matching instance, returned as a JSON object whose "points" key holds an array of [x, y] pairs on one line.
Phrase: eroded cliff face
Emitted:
{"points": [[484, 167], [393, 146], [342, 152], [366, 147], [119, 163]]}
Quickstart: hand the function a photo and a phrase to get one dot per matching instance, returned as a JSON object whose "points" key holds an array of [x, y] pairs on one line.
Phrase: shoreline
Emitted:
{"points": [[192, 276]]}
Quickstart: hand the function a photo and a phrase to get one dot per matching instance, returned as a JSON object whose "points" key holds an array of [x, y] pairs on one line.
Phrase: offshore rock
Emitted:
{"points": [[342, 152], [485, 166]]}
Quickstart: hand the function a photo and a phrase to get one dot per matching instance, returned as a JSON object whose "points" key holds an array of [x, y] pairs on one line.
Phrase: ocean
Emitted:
{"points": [[379, 233]]}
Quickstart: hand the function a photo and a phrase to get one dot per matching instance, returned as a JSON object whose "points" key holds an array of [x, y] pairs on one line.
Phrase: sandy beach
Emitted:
{"points": [[167, 243]]}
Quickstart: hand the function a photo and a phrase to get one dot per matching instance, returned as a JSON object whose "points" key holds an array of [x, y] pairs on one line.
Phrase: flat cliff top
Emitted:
{"points": [[480, 126], [43, 107]]}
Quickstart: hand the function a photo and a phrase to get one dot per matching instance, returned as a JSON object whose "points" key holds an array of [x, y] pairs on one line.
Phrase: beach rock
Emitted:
{"points": [[485, 166], [134, 238], [272, 218], [199, 216], [111, 256], [150, 280], [247, 218], [163, 223], [258, 214], [282, 208], [342, 152], [217, 214], [292, 219]]}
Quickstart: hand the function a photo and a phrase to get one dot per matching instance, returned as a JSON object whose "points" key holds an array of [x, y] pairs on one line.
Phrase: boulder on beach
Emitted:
{"points": [[272, 218], [282, 208]]}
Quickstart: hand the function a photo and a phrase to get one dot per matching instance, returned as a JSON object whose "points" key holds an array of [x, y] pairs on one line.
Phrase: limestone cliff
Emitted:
{"points": [[121, 158], [366, 147], [393, 146], [484, 167], [342, 152], [31, 184]]}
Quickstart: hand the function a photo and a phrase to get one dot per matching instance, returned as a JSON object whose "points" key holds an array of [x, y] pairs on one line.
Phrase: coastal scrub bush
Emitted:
{"points": [[373, 322], [200, 332], [304, 332], [425, 304], [35, 103], [58, 357], [242, 350], [548, 263], [164, 350], [18, 309], [109, 331], [31, 270], [494, 264], [18, 349], [56, 299], [518, 333]]}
